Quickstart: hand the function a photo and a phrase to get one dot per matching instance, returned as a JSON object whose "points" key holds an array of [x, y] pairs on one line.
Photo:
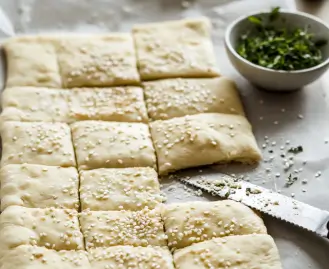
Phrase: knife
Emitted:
{"points": [[261, 199]]}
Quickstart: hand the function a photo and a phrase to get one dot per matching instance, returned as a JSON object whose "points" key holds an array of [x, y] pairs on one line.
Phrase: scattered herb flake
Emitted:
{"points": [[291, 180], [252, 191], [296, 150], [279, 48]]}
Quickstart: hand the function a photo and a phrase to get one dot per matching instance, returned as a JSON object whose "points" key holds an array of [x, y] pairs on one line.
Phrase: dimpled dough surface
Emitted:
{"points": [[31, 61], [48, 227], [175, 49], [35, 104], [100, 60], [119, 188], [122, 104], [36, 143], [112, 145], [203, 139], [193, 222], [238, 252], [171, 98], [39, 186], [131, 257], [32, 257], [114, 228]]}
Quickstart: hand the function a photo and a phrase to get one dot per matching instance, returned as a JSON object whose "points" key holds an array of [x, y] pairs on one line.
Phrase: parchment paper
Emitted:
{"points": [[277, 116]]}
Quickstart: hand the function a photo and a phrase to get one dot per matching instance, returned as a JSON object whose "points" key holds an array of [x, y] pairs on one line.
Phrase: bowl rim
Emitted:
{"points": [[286, 11]]}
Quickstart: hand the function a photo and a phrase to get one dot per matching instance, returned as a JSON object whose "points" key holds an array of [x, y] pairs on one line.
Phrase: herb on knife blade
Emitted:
{"points": [[279, 48], [296, 150], [291, 180]]}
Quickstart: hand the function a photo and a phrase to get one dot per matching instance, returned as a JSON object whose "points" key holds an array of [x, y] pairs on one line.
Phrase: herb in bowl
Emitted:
{"points": [[279, 48]]}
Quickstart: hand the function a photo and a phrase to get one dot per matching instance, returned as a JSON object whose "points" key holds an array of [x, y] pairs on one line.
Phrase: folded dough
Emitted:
{"points": [[36, 143], [193, 222], [44, 227], [238, 252], [31, 61], [169, 98], [39, 186], [32, 257], [203, 139], [35, 104], [117, 228], [97, 60], [131, 257], [120, 188], [112, 145], [175, 49]]}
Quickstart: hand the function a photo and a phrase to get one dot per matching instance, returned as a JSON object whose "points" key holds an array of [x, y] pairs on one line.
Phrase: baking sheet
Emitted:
{"points": [[301, 117]]}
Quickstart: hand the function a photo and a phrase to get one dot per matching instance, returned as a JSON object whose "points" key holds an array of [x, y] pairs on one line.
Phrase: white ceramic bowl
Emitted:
{"points": [[277, 80]]}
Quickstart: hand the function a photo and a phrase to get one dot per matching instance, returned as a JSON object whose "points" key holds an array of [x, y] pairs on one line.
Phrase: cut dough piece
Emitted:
{"points": [[32, 257], [120, 188], [112, 145], [171, 98], [39, 186], [48, 227], [36, 143], [117, 228], [193, 222], [35, 104], [239, 252], [203, 139], [31, 61], [175, 49], [131, 257], [97, 60], [58, 105], [122, 104]]}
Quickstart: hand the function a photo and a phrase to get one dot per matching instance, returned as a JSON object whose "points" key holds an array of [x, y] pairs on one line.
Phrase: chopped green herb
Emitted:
{"points": [[252, 191], [291, 180], [227, 194], [279, 48], [296, 150]]}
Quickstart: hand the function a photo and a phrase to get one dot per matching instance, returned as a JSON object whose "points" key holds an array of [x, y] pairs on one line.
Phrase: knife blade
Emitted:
{"points": [[264, 200]]}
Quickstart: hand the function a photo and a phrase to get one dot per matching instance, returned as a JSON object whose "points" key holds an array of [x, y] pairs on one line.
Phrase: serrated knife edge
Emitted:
{"points": [[274, 204]]}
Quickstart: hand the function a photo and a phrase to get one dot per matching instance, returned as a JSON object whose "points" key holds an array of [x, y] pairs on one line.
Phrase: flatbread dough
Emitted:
{"points": [[118, 228], [203, 139], [39, 186], [171, 98], [131, 257], [36, 143], [121, 104], [32, 257], [238, 252], [97, 60], [112, 145], [120, 189], [44, 227], [124, 104], [175, 49], [31, 61], [193, 222], [35, 104]]}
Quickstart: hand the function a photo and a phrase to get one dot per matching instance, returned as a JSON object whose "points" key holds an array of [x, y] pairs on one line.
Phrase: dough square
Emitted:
{"points": [[120, 104], [44, 227], [238, 252], [112, 145], [203, 139], [32, 257], [131, 257], [175, 49], [123, 228], [35, 104], [194, 222], [39, 186], [170, 98], [97, 60], [31, 61], [120, 189], [36, 143]]}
